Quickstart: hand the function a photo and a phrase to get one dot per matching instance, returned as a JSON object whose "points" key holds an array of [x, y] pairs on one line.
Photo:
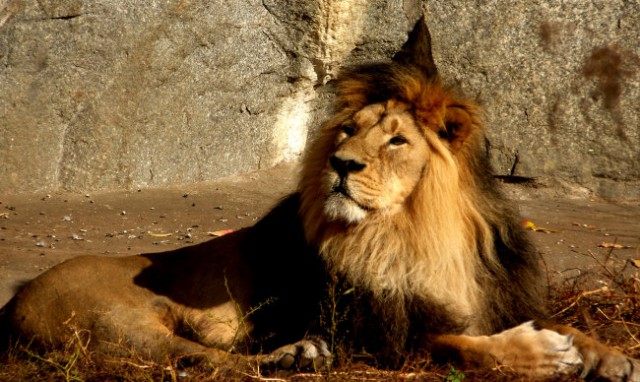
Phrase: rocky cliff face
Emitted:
{"points": [[120, 94]]}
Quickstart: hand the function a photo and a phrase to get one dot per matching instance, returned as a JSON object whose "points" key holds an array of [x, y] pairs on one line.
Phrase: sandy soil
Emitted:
{"points": [[38, 231]]}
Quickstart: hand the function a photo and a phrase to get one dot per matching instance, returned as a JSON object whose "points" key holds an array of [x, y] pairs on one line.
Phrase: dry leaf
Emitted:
{"points": [[222, 232], [612, 245], [159, 234], [635, 263], [527, 224]]}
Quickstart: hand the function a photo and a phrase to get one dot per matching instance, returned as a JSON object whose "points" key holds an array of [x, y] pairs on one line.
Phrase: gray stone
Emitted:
{"points": [[120, 94], [559, 82]]}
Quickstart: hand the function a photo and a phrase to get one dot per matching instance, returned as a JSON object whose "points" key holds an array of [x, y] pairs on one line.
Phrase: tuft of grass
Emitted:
{"points": [[454, 375]]}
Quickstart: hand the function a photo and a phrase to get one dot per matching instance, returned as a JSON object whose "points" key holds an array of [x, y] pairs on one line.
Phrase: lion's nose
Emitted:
{"points": [[345, 166]]}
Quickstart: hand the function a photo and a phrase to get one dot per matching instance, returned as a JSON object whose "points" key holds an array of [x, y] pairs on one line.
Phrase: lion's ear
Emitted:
{"points": [[417, 50], [458, 124]]}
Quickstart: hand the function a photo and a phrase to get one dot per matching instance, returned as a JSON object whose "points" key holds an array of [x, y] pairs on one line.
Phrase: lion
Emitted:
{"points": [[397, 241]]}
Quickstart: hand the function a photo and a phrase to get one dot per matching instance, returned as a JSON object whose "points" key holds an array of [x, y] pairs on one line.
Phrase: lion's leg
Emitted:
{"points": [[149, 332], [127, 332], [599, 360], [525, 349]]}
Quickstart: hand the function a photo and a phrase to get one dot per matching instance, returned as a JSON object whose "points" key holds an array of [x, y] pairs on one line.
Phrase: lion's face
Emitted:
{"points": [[379, 157]]}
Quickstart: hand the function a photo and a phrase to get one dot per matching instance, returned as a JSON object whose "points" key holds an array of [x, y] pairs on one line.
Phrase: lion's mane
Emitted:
{"points": [[442, 263]]}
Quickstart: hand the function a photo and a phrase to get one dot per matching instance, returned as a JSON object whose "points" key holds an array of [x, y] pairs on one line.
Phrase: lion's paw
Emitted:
{"points": [[541, 352], [312, 353], [612, 366]]}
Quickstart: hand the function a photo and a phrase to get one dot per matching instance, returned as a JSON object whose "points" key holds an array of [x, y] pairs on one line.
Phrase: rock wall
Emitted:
{"points": [[121, 94], [559, 81]]}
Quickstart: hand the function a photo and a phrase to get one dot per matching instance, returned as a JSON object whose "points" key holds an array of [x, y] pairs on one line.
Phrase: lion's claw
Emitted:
{"points": [[306, 354]]}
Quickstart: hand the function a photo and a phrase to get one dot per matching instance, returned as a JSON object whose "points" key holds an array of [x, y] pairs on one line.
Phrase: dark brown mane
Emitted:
{"points": [[372, 83]]}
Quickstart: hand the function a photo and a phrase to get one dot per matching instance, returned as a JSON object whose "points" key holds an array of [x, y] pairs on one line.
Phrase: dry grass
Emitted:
{"points": [[604, 303]]}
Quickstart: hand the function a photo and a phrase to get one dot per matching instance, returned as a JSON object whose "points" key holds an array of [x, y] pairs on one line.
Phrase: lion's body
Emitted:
{"points": [[397, 241], [179, 303]]}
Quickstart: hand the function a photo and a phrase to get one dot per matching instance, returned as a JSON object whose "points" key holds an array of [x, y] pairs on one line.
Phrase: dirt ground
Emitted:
{"points": [[38, 231]]}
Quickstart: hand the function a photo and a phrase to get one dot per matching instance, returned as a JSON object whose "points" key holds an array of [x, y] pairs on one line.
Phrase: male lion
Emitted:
{"points": [[397, 237]]}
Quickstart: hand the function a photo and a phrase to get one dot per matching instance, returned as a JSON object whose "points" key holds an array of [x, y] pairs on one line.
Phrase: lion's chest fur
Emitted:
{"points": [[394, 262]]}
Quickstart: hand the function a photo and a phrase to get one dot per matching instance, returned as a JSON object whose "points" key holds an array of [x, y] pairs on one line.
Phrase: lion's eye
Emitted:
{"points": [[349, 130], [398, 140]]}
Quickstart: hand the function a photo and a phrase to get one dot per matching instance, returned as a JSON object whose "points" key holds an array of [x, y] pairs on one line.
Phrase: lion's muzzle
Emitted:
{"points": [[344, 166]]}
